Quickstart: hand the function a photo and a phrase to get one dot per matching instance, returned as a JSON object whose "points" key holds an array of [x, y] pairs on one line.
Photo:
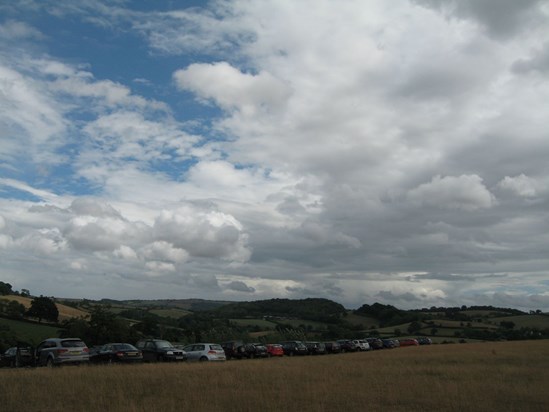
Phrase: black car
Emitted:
{"points": [[260, 350], [294, 347], [236, 349], [424, 340], [332, 347], [316, 348], [375, 343], [116, 353], [17, 357], [347, 345], [389, 343], [157, 350]]}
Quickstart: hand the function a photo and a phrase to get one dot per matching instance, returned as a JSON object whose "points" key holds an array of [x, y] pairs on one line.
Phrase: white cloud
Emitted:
{"points": [[520, 185], [125, 252], [164, 251], [232, 89], [30, 113], [465, 192], [13, 30]]}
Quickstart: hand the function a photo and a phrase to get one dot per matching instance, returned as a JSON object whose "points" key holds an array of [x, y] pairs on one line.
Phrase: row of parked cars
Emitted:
{"points": [[57, 351]]}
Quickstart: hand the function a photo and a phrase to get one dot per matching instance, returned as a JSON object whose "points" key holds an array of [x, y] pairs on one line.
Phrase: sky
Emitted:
{"points": [[360, 151]]}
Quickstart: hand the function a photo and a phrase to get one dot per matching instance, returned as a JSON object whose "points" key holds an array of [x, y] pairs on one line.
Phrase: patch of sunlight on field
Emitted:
{"points": [[509, 376]]}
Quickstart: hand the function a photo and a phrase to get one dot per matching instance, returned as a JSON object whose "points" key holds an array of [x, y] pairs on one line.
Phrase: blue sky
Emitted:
{"points": [[242, 150]]}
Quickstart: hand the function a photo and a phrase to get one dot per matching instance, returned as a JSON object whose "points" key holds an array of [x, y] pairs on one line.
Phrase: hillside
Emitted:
{"points": [[271, 320], [65, 312]]}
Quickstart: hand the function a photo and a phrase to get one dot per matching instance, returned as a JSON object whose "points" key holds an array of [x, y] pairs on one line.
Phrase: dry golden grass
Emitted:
{"points": [[510, 376], [65, 312]]}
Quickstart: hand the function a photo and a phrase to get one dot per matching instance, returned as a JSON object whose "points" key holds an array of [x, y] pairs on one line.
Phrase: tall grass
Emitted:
{"points": [[510, 376]]}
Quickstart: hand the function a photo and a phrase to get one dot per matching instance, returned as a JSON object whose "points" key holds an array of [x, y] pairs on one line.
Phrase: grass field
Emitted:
{"points": [[170, 313], [507, 376], [526, 321], [30, 332]]}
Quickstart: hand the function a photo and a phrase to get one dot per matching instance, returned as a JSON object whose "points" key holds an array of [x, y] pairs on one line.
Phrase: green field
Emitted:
{"points": [[526, 321], [31, 333], [170, 313], [366, 321], [262, 323]]}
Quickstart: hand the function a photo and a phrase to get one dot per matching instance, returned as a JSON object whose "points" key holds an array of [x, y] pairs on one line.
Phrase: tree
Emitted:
{"points": [[25, 292], [507, 324], [5, 289], [15, 309], [415, 327], [43, 308]]}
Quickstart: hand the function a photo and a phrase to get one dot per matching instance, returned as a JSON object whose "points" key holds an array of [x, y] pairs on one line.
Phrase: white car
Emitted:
{"points": [[362, 344], [205, 352]]}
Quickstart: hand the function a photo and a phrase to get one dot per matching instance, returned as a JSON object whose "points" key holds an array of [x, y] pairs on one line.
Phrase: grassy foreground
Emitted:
{"points": [[506, 376]]}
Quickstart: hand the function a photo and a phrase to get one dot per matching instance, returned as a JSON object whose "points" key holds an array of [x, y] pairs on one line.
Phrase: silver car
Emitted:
{"points": [[57, 351], [362, 344], [205, 352]]}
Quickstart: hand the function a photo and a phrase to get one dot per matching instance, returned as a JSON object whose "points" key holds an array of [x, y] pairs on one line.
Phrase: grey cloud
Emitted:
{"points": [[502, 18], [88, 206], [538, 62], [239, 286], [391, 297], [203, 234], [317, 287], [205, 281]]}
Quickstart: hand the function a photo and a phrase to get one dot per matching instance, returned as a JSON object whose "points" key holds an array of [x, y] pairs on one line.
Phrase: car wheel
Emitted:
{"points": [[203, 359], [49, 363], [291, 354], [160, 358]]}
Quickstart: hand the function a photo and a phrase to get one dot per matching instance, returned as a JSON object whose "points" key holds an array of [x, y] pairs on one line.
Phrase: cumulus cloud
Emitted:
{"points": [[203, 233], [230, 88], [520, 185], [465, 192]]}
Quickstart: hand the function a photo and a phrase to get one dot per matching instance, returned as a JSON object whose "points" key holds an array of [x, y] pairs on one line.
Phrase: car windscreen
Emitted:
{"points": [[73, 344], [163, 344]]}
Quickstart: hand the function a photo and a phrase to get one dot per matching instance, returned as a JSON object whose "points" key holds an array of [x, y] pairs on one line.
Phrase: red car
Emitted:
{"points": [[274, 349]]}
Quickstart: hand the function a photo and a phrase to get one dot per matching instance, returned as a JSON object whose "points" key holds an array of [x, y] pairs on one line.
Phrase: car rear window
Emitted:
{"points": [[216, 347], [123, 346], [73, 344]]}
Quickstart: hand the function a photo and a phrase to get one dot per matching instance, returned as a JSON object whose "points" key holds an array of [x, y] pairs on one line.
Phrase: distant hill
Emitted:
{"points": [[315, 309], [272, 320], [193, 305]]}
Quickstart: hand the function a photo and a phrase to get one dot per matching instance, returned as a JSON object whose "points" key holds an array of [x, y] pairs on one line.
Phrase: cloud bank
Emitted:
{"points": [[355, 151]]}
